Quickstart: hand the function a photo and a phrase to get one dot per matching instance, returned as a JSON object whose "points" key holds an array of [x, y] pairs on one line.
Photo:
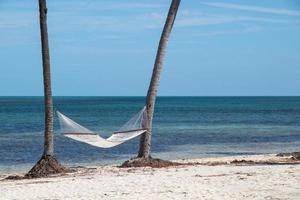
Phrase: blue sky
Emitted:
{"points": [[107, 47]]}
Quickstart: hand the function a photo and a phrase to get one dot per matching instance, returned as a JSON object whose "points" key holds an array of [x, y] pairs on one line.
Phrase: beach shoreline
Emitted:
{"points": [[235, 177]]}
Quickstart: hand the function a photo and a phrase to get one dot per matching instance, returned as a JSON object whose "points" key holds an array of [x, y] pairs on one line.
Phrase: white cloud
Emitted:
{"points": [[246, 29], [224, 19], [255, 8], [103, 5], [105, 24]]}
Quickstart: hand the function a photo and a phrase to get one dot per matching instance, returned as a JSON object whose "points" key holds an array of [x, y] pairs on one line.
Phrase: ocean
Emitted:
{"points": [[183, 127]]}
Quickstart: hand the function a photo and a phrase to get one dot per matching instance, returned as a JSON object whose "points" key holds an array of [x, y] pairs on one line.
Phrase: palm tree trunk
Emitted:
{"points": [[48, 145], [145, 142], [48, 164]]}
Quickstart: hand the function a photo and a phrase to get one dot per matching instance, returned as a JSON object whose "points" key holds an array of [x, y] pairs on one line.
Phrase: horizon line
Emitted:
{"points": [[157, 96]]}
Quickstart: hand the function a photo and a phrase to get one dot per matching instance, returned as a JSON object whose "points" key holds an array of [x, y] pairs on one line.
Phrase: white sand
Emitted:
{"points": [[184, 182]]}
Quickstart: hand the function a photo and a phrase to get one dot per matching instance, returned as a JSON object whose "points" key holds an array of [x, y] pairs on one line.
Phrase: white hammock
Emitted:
{"points": [[131, 129]]}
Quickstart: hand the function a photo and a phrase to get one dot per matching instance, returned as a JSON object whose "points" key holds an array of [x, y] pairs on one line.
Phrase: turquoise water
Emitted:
{"points": [[184, 127]]}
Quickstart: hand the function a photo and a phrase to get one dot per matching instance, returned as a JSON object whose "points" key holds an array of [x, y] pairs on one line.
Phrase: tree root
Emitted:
{"points": [[46, 166], [148, 162]]}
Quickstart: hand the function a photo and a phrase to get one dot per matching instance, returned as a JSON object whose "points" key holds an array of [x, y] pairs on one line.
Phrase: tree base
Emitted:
{"points": [[46, 166], [148, 162]]}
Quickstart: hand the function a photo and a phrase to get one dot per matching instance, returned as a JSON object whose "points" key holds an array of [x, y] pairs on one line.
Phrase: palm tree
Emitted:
{"points": [[48, 163], [145, 142]]}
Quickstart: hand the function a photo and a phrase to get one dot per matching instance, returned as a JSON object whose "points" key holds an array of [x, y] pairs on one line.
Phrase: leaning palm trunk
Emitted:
{"points": [[47, 164], [145, 142]]}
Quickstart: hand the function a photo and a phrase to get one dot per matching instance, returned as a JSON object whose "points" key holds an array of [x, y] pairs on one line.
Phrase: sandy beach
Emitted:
{"points": [[209, 178]]}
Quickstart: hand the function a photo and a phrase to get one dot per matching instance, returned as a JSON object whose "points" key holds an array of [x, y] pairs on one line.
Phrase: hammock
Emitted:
{"points": [[129, 130]]}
